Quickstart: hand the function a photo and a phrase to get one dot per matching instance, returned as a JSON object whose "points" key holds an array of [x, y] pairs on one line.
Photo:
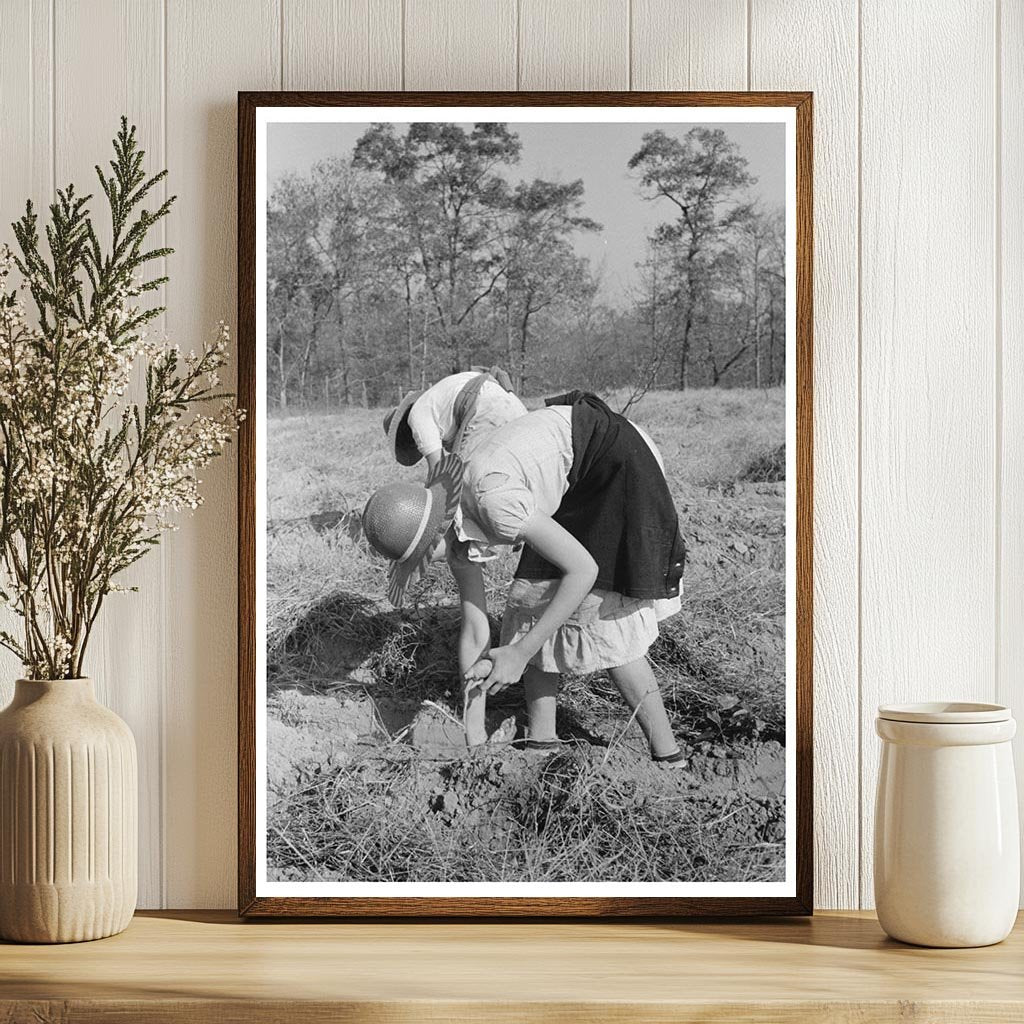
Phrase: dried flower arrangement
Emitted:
{"points": [[90, 476]]}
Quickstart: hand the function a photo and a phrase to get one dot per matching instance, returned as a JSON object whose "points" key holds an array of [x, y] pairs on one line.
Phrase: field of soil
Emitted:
{"points": [[369, 778]]}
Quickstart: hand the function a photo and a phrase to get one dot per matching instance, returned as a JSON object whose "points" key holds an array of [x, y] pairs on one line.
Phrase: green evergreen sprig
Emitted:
{"points": [[89, 476]]}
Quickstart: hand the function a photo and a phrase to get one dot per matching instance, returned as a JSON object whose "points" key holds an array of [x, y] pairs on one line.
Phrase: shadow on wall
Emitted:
{"points": [[201, 560]]}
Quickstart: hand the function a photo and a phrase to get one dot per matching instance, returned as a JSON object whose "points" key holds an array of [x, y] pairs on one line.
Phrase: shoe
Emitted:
{"points": [[545, 746], [677, 759]]}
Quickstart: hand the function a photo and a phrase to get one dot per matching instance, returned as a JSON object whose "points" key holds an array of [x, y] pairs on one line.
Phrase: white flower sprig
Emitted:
{"points": [[88, 477]]}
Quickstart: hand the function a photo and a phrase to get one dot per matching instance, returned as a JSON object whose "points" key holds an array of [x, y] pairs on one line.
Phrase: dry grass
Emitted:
{"points": [[571, 817], [584, 815]]}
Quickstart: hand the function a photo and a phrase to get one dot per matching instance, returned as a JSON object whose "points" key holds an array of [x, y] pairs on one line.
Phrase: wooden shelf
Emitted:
{"points": [[203, 967]]}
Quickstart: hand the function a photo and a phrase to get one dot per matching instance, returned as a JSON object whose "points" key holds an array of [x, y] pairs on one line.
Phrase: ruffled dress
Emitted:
{"points": [[522, 468]]}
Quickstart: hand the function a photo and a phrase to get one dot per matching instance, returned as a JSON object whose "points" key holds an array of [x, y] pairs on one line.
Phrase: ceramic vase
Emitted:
{"points": [[68, 815], [947, 847]]}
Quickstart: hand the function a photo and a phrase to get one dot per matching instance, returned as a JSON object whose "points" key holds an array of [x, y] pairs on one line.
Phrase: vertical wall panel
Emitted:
{"points": [[690, 44], [460, 44], [26, 107], [16, 117], [1011, 242], [342, 44], [26, 171], [213, 51], [928, 362], [780, 59], [574, 44], [125, 656]]}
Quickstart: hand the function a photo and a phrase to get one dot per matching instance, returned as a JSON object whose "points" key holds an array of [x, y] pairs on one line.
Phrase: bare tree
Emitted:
{"points": [[697, 175], [446, 184], [656, 313], [422, 254], [542, 267], [291, 269]]}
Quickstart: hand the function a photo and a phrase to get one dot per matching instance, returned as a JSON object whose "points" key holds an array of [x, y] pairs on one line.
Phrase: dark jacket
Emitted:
{"points": [[618, 506]]}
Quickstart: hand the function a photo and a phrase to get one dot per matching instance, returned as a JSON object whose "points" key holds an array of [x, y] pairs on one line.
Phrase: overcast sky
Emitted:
{"points": [[597, 153]]}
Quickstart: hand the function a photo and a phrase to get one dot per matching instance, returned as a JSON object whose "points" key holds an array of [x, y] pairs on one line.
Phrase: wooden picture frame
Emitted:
{"points": [[251, 903]]}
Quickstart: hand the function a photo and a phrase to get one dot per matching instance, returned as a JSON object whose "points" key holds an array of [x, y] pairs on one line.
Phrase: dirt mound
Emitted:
{"points": [[436, 731], [310, 733], [768, 467]]}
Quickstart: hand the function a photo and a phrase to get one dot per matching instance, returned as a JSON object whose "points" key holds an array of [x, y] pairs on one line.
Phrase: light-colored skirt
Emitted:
{"points": [[606, 631]]}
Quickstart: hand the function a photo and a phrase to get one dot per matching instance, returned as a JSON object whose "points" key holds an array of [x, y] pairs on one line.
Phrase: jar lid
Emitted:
{"points": [[945, 713]]}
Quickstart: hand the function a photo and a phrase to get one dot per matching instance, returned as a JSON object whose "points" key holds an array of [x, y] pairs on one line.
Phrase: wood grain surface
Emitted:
{"points": [[354, 42], [575, 44], [700, 44], [470, 44], [200, 967]]}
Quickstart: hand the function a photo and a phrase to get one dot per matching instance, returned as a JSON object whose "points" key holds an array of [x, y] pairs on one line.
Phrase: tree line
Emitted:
{"points": [[421, 255]]}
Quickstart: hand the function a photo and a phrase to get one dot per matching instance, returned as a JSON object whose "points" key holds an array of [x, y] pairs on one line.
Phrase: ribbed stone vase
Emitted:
{"points": [[68, 815]]}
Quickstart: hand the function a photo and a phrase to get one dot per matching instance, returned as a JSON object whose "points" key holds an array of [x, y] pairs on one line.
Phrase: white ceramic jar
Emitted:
{"points": [[947, 847]]}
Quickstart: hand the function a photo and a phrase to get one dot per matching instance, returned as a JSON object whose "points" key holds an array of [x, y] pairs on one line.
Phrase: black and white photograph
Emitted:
{"points": [[525, 517]]}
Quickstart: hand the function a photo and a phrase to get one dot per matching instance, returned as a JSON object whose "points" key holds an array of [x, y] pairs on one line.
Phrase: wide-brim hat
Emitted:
{"points": [[396, 426], [402, 521]]}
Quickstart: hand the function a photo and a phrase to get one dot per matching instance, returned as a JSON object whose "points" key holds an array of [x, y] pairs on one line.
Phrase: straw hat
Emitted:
{"points": [[403, 520], [396, 426]]}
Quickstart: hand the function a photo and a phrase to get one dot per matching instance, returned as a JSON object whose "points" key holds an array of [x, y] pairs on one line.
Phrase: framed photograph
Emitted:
{"points": [[525, 500]]}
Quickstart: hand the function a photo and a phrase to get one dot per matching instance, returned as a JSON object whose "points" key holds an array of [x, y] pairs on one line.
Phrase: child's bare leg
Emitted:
{"points": [[541, 690], [639, 689]]}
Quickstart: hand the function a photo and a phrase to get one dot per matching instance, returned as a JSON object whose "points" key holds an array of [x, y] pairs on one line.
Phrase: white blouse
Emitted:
{"points": [[432, 416], [521, 468]]}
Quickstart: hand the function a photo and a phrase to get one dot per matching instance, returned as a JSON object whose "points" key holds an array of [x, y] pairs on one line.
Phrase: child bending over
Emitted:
{"points": [[584, 490], [454, 416]]}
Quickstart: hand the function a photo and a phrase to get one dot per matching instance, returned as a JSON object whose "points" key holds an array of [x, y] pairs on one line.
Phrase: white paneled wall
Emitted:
{"points": [[831, 71], [919, 323], [1009, 427], [928, 513]]}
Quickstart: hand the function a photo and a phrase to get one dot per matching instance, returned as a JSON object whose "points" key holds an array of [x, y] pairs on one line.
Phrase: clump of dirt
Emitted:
{"points": [[309, 733], [768, 467], [435, 731]]}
